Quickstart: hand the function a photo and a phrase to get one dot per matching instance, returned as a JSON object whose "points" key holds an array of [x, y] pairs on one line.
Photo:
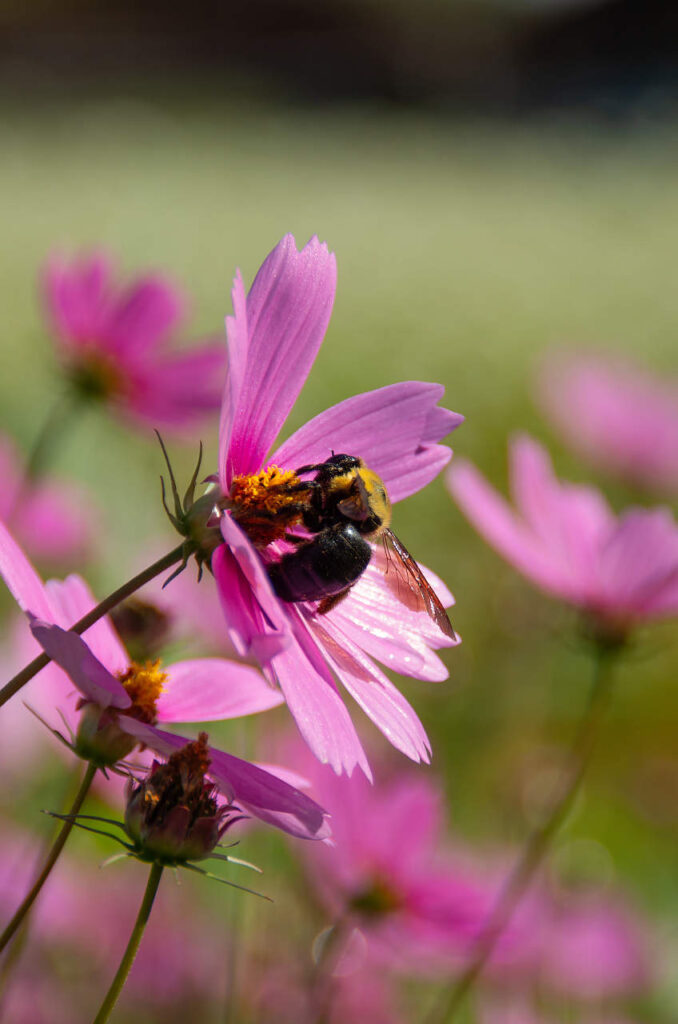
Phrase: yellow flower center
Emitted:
{"points": [[144, 683], [267, 504]]}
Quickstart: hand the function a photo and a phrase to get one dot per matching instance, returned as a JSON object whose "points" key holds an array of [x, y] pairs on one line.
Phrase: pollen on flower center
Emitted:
{"points": [[144, 683], [266, 504]]}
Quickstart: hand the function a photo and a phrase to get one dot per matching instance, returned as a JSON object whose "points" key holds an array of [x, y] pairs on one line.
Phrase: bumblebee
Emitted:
{"points": [[344, 507]]}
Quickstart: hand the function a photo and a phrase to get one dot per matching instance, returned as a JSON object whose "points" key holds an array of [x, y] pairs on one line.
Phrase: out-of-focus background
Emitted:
{"points": [[498, 180]]}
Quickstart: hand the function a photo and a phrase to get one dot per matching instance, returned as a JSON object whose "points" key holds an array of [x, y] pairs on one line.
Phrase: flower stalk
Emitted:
{"points": [[133, 945], [539, 842], [30, 670], [52, 858]]}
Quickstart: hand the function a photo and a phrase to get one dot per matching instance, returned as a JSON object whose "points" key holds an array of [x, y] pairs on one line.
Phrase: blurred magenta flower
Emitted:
{"points": [[284, 994], [78, 927], [53, 520], [565, 538], [595, 948], [616, 414], [389, 875], [116, 343], [129, 699], [273, 338]]}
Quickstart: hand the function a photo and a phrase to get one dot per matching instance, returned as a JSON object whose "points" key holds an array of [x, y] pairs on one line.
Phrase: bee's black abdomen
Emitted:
{"points": [[326, 565]]}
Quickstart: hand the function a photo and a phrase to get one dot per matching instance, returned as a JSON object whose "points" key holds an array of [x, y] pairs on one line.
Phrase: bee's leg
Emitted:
{"points": [[312, 519], [328, 603], [311, 468], [292, 538]]}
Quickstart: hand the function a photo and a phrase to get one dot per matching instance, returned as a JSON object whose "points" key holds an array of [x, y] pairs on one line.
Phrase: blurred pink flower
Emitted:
{"points": [[522, 1014], [273, 338], [618, 415], [565, 538], [595, 948], [116, 344], [283, 994], [53, 520], [198, 690], [389, 875], [80, 926]]}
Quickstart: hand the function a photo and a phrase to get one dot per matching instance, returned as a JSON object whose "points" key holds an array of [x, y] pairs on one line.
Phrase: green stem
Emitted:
{"points": [[52, 858], [50, 434], [537, 844], [27, 673], [132, 946]]}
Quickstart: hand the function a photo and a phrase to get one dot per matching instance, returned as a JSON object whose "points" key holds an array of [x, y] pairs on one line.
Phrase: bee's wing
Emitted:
{"points": [[421, 595]]}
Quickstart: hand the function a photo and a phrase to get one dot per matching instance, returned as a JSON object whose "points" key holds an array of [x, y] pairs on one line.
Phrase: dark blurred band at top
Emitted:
{"points": [[617, 58]]}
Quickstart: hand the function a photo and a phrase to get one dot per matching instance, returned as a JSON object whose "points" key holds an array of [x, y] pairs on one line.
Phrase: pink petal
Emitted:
{"points": [[21, 578], [270, 799], [175, 391], [76, 296], [288, 310], [383, 625], [639, 563], [143, 316], [70, 600], [255, 621], [315, 704], [493, 518], [571, 521], [210, 689], [393, 429], [375, 694], [56, 521], [72, 654], [236, 331]]}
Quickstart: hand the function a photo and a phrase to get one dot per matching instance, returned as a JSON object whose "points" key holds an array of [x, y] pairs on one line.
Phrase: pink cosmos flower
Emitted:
{"points": [[198, 690], [565, 538], [616, 414], [273, 338], [116, 344], [51, 519], [389, 877]]}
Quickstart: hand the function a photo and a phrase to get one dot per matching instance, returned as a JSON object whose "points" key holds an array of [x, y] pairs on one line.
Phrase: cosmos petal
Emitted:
{"points": [[143, 316], [318, 710], [71, 599], [375, 694], [288, 310], [269, 798], [75, 296], [21, 578], [494, 519], [72, 654], [174, 390], [255, 621], [210, 689], [393, 429]]}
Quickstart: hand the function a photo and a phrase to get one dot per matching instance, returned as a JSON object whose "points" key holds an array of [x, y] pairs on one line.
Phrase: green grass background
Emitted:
{"points": [[465, 251]]}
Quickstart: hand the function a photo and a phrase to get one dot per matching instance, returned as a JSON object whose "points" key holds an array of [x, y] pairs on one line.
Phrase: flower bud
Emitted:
{"points": [[172, 815], [100, 739]]}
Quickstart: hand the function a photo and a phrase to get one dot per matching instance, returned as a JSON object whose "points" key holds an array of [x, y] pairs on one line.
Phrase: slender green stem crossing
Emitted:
{"points": [[537, 844], [51, 860], [27, 673], [132, 946]]}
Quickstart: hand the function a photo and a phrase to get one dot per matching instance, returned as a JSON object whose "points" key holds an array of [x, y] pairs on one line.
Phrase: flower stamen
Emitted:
{"points": [[267, 504], [144, 683]]}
